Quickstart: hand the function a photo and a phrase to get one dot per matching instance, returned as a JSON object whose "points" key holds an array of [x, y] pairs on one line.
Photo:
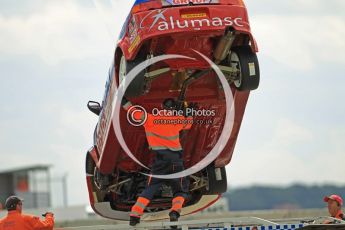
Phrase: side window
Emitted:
{"points": [[107, 84], [124, 28]]}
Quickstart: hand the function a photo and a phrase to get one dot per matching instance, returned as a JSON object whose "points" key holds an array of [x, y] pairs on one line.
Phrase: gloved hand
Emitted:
{"points": [[48, 213], [124, 101]]}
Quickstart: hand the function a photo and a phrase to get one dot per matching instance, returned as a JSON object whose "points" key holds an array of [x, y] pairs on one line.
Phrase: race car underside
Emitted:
{"points": [[121, 189]]}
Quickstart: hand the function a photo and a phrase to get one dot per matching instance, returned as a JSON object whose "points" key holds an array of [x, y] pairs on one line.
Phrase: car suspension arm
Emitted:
{"points": [[197, 74]]}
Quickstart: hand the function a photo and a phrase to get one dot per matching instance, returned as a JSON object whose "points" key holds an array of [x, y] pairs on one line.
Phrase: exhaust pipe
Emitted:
{"points": [[224, 45], [181, 98]]}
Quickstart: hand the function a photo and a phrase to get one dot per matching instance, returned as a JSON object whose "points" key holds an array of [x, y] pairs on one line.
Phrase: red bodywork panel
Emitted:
{"points": [[178, 23], [196, 142], [202, 26]]}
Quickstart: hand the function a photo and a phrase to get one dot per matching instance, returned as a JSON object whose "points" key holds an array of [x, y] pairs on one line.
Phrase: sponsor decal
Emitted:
{"points": [[132, 29], [134, 44], [196, 15], [162, 23], [198, 23], [159, 15], [186, 2]]}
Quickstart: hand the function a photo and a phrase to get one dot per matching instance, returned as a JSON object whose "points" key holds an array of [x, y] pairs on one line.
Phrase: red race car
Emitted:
{"points": [[217, 29]]}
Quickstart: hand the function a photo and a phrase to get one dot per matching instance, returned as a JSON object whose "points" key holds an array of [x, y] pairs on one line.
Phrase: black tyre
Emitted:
{"points": [[90, 164], [243, 58], [137, 86], [101, 181], [90, 168], [217, 182]]}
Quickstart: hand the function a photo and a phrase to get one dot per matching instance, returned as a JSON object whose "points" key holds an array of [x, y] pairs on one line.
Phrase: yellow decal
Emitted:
{"points": [[134, 44], [196, 15]]}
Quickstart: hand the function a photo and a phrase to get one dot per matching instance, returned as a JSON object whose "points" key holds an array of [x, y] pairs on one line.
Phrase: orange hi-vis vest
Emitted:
{"points": [[340, 215], [17, 221], [162, 132]]}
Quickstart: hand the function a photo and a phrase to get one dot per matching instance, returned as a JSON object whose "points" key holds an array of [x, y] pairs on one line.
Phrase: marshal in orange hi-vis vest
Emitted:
{"points": [[162, 132], [18, 221]]}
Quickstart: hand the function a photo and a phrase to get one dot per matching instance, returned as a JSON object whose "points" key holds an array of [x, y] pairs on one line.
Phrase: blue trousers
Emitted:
{"points": [[167, 162]]}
